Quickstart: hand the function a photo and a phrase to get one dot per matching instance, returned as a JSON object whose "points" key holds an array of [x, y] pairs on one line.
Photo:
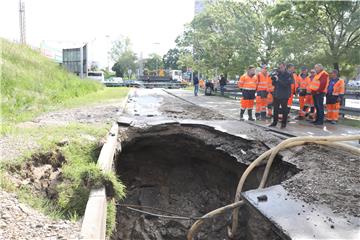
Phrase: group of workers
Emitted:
{"points": [[274, 93]]}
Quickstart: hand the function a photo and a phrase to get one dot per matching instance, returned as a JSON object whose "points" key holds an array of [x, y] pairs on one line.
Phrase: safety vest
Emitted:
{"points": [[303, 82], [315, 83], [248, 83], [296, 80], [339, 87], [263, 82], [308, 89]]}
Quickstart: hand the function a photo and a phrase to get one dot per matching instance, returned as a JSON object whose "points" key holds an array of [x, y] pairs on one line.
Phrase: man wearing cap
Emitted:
{"points": [[282, 82], [261, 93], [247, 84], [335, 93], [303, 81], [318, 88]]}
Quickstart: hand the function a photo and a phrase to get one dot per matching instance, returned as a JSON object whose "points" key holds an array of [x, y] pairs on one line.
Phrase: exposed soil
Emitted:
{"points": [[178, 169], [42, 173]]}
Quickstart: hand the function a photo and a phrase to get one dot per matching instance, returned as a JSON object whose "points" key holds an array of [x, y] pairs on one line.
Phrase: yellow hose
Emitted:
{"points": [[296, 141]]}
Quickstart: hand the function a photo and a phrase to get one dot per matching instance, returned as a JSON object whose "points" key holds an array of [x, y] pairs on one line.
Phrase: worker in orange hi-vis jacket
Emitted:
{"points": [[334, 95], [270, 98], [303, 81], [309, 101], [318, 88], [247, 84], [294, 85], [261, 93]]}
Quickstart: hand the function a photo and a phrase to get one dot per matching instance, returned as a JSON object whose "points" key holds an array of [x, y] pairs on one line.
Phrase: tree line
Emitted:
{"points": [[229, 35]]}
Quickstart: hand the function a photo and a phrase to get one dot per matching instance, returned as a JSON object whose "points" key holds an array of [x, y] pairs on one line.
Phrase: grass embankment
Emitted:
{"points": [[79, 171], [31, 85]]}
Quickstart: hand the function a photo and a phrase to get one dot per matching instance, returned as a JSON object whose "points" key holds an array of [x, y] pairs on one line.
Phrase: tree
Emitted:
{"points": [[154, 62], [171, 58], [125, 62], [222, 38], [119, 47], [94, 66], [331, 28]]}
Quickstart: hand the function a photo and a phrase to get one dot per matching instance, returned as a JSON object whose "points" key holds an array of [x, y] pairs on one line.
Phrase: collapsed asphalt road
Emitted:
{"points": [[192, 166]]}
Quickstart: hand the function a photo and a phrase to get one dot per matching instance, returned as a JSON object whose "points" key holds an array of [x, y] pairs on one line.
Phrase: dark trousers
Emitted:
{"points": [[283, 103], [319, 106]]}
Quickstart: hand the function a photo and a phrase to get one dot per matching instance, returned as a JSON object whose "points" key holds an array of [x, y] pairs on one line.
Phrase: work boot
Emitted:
{"points": [[257, 116], [333, 122], [273, 124], [299, 118], [250, 115], [263, 116], [242, 111]]}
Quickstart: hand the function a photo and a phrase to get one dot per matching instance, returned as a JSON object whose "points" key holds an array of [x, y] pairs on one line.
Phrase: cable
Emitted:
{"points": [[147, 207], [134, 208], [292, 142]]}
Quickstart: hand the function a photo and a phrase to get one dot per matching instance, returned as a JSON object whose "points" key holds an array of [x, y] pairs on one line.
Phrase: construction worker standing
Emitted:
{"points": [[309, 101], [335, 93], [294, 85], [318, 88], [247, 84], [261, 93], [303, 81], [282, 81]]}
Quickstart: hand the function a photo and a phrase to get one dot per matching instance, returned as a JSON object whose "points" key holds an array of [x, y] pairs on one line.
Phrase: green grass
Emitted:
{"points": [[80, 172], [30, 83], [111, 217]]}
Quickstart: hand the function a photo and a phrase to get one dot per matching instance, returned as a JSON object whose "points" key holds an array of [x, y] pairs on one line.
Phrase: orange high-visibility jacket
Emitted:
{"points": [[315, 83], [303, 82], [339, 87], [262, 82], [308, 89], [248, 83], [295, 85]]}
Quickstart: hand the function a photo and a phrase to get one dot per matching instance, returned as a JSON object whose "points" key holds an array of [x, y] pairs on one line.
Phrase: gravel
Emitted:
{"points": [[18, 221]]}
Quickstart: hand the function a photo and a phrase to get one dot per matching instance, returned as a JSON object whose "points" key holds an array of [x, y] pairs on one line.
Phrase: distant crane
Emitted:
{"points": [[22, 22]]}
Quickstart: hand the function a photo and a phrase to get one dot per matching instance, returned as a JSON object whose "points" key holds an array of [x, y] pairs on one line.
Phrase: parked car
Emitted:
{"points": [[114, 82], [354, 84]]}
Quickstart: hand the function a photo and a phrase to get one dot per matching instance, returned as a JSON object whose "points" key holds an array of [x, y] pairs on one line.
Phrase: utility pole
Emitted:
{"points": [[22, 22]]}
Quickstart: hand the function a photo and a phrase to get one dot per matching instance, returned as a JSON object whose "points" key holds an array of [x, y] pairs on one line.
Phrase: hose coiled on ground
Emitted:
{"points": [[288, 143]]}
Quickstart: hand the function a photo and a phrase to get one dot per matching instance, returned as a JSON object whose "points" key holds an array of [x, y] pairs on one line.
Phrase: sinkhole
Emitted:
{"points": [[178, 170]]}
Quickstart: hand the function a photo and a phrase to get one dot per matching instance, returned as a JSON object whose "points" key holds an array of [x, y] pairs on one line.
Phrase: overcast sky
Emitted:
{"points": [[144, 21]]}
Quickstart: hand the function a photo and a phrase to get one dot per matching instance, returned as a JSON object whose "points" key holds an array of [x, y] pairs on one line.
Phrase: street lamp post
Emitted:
{"points": [[108, 53]]}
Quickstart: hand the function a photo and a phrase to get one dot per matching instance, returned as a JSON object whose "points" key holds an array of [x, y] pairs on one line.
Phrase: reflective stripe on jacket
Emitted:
{"points": [[263, 82], [315, 83], [247, 82]]}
